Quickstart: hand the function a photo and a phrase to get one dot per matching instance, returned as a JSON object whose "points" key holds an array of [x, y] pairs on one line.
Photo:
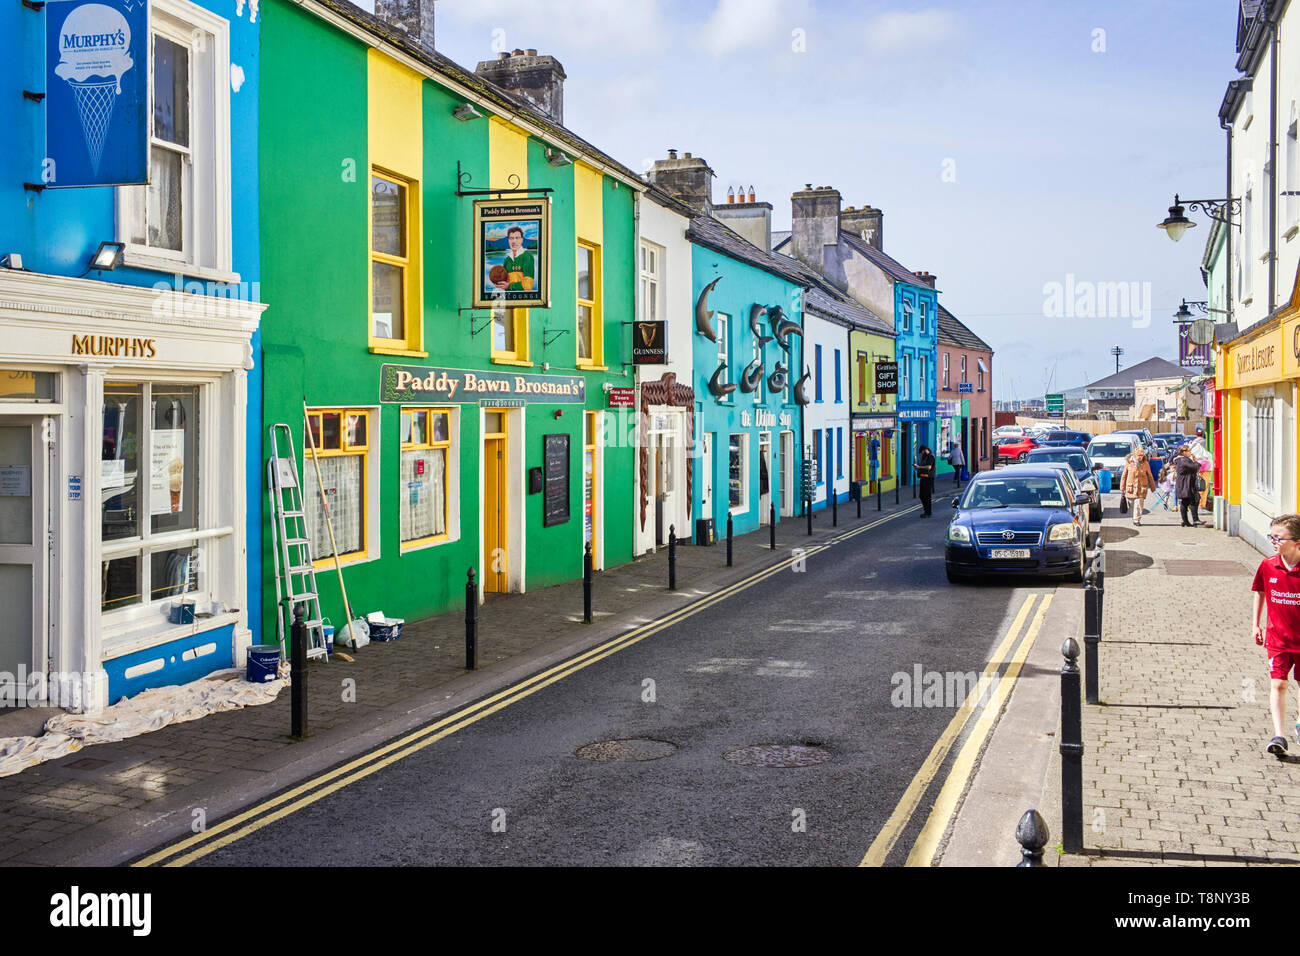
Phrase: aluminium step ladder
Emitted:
{"points": [[295, 576]]}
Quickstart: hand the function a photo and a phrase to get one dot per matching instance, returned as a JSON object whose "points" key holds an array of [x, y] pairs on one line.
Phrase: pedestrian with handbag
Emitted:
{"points": [[958, 463], [1135, 482], [1187, 473]]}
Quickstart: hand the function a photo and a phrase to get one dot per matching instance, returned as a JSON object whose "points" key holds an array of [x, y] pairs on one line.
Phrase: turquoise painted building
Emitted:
{"points": [[916, 323]]}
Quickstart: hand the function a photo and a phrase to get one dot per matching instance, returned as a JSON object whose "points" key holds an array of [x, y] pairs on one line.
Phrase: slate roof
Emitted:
{"points": [[887, 263], [953, 332], [1151, 368], [488, 90], [709, 232]]}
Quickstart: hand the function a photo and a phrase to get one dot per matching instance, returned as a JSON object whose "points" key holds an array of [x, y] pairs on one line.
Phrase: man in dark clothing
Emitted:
{"points": [[925, 472], [1187, 471]]}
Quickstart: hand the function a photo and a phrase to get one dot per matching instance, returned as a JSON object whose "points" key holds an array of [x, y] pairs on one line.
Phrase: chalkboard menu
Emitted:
{"points": [[555, 467]]}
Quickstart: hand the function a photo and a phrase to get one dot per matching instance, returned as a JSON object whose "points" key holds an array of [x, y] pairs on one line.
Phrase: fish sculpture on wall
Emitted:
{"points": [[776, 381], [702, 313], [717, 386], [782, 327], [800, 396], [751, 376], [756, 312]]}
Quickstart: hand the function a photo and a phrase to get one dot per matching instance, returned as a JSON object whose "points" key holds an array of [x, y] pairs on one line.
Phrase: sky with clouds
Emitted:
{"points": [[1010, 144]]}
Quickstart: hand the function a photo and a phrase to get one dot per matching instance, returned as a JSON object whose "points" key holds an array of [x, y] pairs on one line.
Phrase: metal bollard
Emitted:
{"points": [[298, 674], [878, 493], [807, 508], [1099, 561], [1071, 749], [1032, 834], [728, 539], [672, 558], [835, 508], [897, 482], [1091, 638], [859, 501], [471, 621], [771, 526], [586, 584]]}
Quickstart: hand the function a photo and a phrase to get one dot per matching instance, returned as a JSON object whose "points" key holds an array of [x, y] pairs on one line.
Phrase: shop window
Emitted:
{"points": [[182, 218], [394, 263], [341, 437], [18, 385], [150, 472], [426, 475], [1263, 452], [590, 351], [738, 473]]}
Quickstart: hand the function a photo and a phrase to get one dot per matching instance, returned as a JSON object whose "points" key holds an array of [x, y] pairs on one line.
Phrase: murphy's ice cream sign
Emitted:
{"points": [[96, 93], [419, 383]]}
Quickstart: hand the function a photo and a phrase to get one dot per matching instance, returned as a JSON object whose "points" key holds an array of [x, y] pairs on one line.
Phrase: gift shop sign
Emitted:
{"points": [[410, 383]]}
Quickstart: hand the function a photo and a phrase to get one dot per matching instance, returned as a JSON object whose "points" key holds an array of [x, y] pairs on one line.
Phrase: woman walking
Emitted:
{"points": [[958, 462], [1186, 471], [1135, 481]]}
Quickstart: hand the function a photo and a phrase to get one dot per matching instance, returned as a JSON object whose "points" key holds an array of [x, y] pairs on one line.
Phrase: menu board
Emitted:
{"points": [[555, 479]]}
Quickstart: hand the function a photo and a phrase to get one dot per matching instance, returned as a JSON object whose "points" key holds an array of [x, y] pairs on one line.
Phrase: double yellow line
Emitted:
{"points": [[922, 853], [263, 814]]}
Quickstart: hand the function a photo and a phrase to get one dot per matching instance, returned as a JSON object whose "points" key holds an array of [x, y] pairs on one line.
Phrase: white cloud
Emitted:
{"points": [[901, 32], [630, 26], [741, 24]]}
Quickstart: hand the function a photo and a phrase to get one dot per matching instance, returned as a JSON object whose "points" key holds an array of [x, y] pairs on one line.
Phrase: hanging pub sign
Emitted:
{"points": [[1191, 355], [407, 383], [512, 253], [886, 378], [97, 93], [650, 343]]}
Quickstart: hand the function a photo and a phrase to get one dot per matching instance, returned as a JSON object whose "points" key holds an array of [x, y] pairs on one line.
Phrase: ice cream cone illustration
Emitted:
{"points": [[175, 479], [94, 52]]}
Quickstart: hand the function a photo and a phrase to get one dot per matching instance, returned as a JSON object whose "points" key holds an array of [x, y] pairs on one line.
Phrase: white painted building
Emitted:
{"points": [[827, 428], [665, 403]]}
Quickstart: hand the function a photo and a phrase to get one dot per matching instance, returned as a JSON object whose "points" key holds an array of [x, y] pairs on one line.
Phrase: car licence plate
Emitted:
{"points": [[1009, 553]]}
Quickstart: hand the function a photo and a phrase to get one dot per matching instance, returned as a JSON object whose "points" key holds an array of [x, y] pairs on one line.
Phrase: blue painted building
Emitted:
{"points": [[130, 510], [916, 313]]}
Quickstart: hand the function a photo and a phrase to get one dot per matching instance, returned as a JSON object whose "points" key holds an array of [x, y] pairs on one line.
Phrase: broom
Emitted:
{"points": [[329, 524]]}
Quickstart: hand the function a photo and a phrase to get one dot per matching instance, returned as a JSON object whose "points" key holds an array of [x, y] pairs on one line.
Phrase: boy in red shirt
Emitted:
{"points": [[1277, 586]]}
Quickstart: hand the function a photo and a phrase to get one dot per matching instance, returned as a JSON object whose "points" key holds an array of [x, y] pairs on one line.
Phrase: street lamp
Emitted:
{"points": [[1176, 224], [1201, 331]]}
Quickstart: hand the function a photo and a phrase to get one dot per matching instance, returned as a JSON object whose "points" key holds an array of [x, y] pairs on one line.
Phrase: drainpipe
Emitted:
{"points": [[1272, 162], [1227, 127]]}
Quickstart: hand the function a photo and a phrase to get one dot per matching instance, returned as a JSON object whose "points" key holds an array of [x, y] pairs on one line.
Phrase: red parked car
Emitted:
{"points": [[1016, 449]]}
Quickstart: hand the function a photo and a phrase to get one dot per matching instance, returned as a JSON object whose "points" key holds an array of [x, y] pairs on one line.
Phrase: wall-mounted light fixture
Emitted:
{"points": [[108, 256], [12, 260], [466, 112], [557, 157]]}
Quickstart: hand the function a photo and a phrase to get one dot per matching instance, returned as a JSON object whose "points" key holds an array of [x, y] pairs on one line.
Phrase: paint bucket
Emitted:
{"points": [[1103, 476], [263, 663], [328, 630]]}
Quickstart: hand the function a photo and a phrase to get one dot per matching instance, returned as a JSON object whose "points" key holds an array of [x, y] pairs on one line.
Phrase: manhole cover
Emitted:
{"points": [[88, 763], [636, 748], [778, 755], [1214, 569]]}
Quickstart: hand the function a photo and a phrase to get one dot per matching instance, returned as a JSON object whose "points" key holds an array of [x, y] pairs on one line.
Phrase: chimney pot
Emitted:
{"points": [[516, 52], [503, 55], [531, 52], [731, 195], [686, 155], [672, 154], [751, 193]]}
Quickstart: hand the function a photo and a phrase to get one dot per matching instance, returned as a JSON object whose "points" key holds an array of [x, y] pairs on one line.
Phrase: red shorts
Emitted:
{"points": [[1280, 664]]}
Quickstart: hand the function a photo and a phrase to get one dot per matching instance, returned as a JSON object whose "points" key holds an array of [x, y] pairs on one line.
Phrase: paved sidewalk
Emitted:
{"points": [[1175, 771], [112, 802]]}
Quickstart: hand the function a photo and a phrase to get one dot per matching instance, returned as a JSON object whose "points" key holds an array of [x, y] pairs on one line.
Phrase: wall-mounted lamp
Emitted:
{"points": [[466, 112], [12, 260], [108, 256], [557, 157]]}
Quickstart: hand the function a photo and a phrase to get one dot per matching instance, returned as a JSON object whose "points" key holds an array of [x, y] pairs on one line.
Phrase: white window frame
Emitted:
{"points": [[758, 357], [743, 507], [963, 369], [921, 307], [921, 376], [1246, 281], [652, 258], [1292, 173], [452, 481], [724, 351], [374, 482], [1263, 419], [206, 183], [946, 384], [906, 390], [907, 316]]}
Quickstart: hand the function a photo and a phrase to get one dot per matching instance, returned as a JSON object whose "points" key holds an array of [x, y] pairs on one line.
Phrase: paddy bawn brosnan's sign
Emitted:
{"points": [[411, 383]]}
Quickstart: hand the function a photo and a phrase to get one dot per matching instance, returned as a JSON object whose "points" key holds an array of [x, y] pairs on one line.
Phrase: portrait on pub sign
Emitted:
{"points": [[512, 253]]}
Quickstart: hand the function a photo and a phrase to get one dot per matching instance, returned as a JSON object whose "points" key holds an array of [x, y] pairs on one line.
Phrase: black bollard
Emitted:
{"points": [[897, 481], [835, 508], [298, 674], [1099, 562], [728, 539], [859, 501], [1032, 834], [807, 509], [587, 574], [471, 621], [878, 493], [1071, 750], [672, 558], [1091, 638], [771, 526]]}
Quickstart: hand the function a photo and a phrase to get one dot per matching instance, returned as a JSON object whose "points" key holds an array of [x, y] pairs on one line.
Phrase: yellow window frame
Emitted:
{"points": [[594, 303], [428, 442], [315, 416], [519, 354], [412, 340]]}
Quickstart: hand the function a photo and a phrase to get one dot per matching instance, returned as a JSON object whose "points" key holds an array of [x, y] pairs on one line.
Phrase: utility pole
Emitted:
{"points": [[1117, 352]]}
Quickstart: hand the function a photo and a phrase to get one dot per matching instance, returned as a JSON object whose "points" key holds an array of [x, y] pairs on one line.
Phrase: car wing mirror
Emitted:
{"points": [[1081, 499], [955, 501]]}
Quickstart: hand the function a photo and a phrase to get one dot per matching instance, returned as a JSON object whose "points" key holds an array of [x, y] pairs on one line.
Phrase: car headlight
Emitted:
{"points": [[958, 532], [1063, 532]]}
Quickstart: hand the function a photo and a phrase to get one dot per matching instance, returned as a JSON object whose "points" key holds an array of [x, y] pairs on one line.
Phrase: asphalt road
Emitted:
{"points": [[804, 658]]}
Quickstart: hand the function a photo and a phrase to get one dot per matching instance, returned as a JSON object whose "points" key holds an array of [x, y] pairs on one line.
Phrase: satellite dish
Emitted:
{"points": [[1201, 332]]}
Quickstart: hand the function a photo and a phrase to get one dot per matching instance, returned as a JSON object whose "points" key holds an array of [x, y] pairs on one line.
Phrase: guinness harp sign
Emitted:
{"points": [[649, 343]]}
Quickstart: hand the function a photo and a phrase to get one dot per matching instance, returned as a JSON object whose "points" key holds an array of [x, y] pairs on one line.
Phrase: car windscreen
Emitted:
{"points": [[1076, 437], [1110, 449], [1014, 492], [1073, 459]]}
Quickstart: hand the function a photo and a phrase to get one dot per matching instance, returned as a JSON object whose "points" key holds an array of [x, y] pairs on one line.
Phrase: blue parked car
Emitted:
{"points": [[1063, 438], [1084, 468], [1020, 520]]}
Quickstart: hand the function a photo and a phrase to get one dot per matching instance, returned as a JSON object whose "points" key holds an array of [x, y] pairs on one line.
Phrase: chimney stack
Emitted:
{"points": [[868, 223], [537, 79], [815, 225], [412, 17], [688, 179], [926, 278], [750, 219]]}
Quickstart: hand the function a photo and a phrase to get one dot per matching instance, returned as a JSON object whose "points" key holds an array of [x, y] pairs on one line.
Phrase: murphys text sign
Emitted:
{"points": [[408, 383]]}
